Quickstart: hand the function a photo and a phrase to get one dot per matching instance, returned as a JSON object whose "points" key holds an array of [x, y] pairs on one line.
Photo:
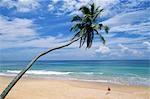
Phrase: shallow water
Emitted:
{"points": [[135, 72]]}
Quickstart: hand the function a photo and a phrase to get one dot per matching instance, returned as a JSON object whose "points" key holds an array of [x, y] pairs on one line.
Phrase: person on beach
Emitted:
{"points": [[108, 90]]}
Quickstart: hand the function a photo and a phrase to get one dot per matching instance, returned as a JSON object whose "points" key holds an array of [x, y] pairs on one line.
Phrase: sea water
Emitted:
{"points": [[125, 72]]}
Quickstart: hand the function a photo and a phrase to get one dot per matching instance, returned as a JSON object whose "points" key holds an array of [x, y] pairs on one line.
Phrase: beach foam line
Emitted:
{"points": [[88, 73], [5, 74], [83, 76], [45, 72], [39, 72]]}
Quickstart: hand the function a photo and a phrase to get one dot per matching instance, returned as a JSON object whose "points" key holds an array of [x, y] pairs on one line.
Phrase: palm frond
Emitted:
{"points": [[76, 18], [88, 41], [87, 18], [97, 9], [92, 8], [76, 27], [80, 42], [76, 35], [85, 10], [90, 36], [106, 28], [97, 14], [100, 26], [95, 26], [83, 41], [79, 34], [100, 36]]}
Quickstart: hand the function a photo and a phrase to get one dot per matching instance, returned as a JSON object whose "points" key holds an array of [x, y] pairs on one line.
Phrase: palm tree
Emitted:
{"points": [[85, 27]]}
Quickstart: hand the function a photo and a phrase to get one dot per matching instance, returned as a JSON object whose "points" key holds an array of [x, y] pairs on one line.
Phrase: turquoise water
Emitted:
{"points": [[135, 72]]}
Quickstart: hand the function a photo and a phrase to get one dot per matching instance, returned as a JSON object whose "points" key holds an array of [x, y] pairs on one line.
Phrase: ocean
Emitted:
{"points": [[124, 72]]}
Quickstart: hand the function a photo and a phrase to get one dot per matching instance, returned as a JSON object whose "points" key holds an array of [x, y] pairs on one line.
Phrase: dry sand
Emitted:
{"points": [[65, 89]]}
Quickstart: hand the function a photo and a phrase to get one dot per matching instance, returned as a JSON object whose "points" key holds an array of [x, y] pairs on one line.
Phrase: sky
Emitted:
{"points": [[28, 27]]}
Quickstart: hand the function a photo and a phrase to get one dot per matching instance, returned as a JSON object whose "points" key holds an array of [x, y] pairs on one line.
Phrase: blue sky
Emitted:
{"points": [[28, 27]]}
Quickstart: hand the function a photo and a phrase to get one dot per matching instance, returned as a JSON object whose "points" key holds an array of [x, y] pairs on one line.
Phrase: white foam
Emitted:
{"points": [[5, 74], [102, 81], [86, 73], [44, 72], [101, 73], [39, 72]]}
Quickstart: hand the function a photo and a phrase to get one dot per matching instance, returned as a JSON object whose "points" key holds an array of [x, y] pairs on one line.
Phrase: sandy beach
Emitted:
{"points": [[28, 88]]}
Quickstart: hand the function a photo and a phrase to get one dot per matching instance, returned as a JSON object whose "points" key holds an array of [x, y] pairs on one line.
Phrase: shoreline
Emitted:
{"points": [[69, 89], [37, 77]]}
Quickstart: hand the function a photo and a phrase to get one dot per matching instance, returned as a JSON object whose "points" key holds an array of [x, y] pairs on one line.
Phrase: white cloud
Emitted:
{"points": [[50, 7], [135, 23], [118, 51], [14, 31], [125, 40], [128, 51], [72, 6], [128, 18], [20, 5], [16, 28], [112, 7], [48, 42], [147, 44], [21, 33], [141, 28], [103, 49]]}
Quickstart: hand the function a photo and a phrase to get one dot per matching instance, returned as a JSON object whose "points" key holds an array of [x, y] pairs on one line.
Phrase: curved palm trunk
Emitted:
{"points": [[14, 81]]}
